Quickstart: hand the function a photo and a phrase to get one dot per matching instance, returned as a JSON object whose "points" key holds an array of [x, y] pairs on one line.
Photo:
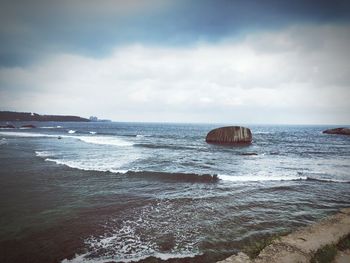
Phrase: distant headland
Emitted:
{"points": [[29, 116]]}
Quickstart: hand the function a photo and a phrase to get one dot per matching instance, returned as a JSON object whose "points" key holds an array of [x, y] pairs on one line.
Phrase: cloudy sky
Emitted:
{"points": [[222, 61]]}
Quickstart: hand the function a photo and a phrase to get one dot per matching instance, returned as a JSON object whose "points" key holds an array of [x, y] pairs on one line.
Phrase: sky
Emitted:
{"points": [[201, 61]]}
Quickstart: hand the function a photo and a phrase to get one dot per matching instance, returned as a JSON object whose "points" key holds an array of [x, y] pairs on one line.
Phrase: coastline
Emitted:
{"points": [[302, 244]]}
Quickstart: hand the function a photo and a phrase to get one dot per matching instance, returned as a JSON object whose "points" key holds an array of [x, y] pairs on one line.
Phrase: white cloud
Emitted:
{"points": [[296, 75]]}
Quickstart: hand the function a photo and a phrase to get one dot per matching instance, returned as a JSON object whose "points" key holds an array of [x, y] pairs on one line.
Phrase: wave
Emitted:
{"points": [[166, 176], [277, 178], [43, 153], [327, 180], [259, 178], [86, 258], [85, 166], [72, 131], [166, 146], [262, 132], [3, 141], [50, 127], [142, 135], [125, 242], [181, 177], [100, 140], [178, 176], [27, 134], [92, 132], [104, 140]]}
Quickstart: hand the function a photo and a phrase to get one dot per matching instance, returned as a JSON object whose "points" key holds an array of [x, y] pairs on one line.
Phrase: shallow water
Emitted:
{"points": [[132, 191]]}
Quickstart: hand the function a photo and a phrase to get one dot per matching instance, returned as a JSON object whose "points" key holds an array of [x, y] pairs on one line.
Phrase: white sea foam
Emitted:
{"points": [[104, 140], [125, 244], [26, 134], [84, 258], [101, 140], [102, 165], [72, 131], [43, 153], [328, 180], [81, 165], [92, 132], [142, 135], [262, 132], [258, 178], [3, 141]]}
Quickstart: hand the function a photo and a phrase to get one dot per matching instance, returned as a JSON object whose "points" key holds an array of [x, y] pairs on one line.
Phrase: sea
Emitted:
{"points": [[157, 192]]}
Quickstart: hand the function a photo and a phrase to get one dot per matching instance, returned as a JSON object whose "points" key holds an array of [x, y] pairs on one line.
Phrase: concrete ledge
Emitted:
{"points": [[300, 245]]}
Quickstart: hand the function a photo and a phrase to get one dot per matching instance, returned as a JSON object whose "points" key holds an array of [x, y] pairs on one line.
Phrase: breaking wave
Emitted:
{"points": [[104, 140], [327, 180], [101, 140], [3, 141], [27, 134], [127, 242], [43, 153], [86, 165], [259, 178]]}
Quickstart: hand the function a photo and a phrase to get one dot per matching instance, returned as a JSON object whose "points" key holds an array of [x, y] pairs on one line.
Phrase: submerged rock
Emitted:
{"points": [[231, 135], [342, 131], [8, 126], [248, 154], [28, 126]]}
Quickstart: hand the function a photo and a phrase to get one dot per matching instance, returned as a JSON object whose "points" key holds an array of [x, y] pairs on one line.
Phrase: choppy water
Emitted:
{"points": [[132, 191]]}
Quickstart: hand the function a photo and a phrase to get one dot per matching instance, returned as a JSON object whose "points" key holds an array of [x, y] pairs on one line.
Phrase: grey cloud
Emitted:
{"points": [[204, 82], [29, 30]]}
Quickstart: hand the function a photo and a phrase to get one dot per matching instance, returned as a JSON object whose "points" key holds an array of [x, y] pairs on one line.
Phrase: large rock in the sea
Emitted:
{"points": [[342, 131], [231, 135]]}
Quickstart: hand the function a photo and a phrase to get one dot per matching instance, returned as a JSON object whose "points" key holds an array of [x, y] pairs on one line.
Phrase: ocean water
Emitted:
{"points": [[150, 192]]}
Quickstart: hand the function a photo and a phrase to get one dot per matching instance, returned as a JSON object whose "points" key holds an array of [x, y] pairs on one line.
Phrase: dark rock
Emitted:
{"points": [[342, 131], [231, 135], [28, 126], [8, 126]]}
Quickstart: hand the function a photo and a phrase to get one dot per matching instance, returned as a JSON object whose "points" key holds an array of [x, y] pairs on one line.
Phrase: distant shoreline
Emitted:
{"points": [[28, 116]]}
